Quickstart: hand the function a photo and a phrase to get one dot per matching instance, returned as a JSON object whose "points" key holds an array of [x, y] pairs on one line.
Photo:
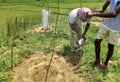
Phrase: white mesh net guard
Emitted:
{"points": [[45, 18]]}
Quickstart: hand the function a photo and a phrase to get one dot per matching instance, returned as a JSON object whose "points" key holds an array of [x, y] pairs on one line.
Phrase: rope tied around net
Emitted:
{"points": [[53, 47]]}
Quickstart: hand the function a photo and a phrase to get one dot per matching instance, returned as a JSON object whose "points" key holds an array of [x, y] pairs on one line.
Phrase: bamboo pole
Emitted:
{"points": [[54, 38]]}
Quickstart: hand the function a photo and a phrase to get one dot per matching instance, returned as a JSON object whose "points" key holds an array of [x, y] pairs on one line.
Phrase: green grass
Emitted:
{"points": [[63, 1], [29, 14], [31, 10]]}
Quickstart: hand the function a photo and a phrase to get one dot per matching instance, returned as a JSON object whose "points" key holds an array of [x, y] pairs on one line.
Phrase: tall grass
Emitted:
{"points": [[22, 24]]}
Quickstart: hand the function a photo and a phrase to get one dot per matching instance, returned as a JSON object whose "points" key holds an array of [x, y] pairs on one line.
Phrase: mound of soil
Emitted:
{"points": [[36, 69]]}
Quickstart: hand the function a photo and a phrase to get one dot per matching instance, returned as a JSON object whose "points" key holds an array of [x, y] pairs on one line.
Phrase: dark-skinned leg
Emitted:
{"points": [[97, 43], [109, 55]]}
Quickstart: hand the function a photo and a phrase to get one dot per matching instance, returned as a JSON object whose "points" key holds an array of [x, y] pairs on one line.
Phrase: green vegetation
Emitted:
{"points": [[24, 16], [65, 1]]}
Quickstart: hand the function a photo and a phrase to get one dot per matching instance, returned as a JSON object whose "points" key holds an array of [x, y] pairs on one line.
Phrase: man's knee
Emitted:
{"points": [[97, 42], [110, 46]]}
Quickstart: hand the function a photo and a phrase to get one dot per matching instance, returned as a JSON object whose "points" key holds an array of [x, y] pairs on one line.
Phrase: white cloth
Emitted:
{"points": [[113, 24], [73, 16]]}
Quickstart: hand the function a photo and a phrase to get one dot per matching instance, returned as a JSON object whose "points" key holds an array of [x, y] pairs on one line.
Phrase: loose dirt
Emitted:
{"points": [[34, 69]]}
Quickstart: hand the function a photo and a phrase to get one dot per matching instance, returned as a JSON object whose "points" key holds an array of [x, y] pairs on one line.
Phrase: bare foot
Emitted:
{"points": [[104, 67], [97, 63]]}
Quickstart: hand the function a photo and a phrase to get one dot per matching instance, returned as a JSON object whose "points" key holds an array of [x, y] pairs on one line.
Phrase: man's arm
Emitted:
{"points": [[86, 29], [101, 10], [106, 15]]}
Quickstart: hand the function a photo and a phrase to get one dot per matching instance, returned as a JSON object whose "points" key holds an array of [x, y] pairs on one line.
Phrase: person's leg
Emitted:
{"points": [[109, 55], [97, 43], [79, 32], [72, 42], [113, 39], [76, 28], [102, 32]]}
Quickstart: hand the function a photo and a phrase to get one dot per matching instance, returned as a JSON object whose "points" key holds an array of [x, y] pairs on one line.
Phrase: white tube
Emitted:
{"points": [[45, 18]]}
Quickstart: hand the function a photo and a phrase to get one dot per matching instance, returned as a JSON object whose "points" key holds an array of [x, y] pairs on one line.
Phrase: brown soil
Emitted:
{"points": [[34, 69]]}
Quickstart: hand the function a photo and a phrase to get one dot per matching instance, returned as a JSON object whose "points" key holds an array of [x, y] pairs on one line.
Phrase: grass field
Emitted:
{"points": [[70, 1], [22, 10], [29, 14]]}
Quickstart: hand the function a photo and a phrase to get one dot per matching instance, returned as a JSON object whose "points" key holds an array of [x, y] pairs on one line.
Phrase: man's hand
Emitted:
{"points": [[91, 14], [83, 36]]}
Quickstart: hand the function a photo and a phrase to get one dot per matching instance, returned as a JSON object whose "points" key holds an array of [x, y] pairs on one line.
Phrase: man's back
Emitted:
{"points": [[78, 14]]}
